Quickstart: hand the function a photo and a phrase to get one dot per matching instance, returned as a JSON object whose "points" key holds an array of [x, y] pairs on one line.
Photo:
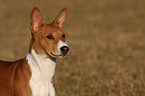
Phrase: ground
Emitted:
{"points": [[106, 39]]}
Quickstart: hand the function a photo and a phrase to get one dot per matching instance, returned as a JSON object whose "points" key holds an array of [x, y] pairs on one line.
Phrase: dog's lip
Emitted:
{"points": [[51, 55], [55, 55]]}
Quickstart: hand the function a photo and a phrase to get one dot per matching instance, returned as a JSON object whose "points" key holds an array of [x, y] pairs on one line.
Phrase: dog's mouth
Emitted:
{"points": [[51, 55]]}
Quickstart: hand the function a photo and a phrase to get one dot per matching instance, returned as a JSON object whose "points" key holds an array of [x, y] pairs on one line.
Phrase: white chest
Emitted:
{"points": [[42, 72]]}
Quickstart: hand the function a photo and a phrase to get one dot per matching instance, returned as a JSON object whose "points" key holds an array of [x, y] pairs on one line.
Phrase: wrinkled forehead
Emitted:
{"points": [[53, 28], [49, 29]]}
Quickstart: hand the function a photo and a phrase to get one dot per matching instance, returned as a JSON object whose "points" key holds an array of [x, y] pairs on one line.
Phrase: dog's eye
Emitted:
{"points": [[63, 35], [50, 37]]}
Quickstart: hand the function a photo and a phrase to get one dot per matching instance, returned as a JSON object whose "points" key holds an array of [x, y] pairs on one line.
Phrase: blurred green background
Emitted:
{"points": [[106, 38]]}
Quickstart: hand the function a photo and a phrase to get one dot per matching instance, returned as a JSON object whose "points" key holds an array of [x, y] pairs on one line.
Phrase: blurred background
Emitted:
{"points": [[106, 38]]}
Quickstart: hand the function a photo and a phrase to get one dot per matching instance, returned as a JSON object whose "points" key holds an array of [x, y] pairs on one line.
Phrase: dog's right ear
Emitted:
{"points": [[36, 20]]}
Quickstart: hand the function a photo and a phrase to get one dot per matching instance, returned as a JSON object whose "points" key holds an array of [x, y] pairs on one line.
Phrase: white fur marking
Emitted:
{"points": [[61, 44], [52, 90], [42, 69]]}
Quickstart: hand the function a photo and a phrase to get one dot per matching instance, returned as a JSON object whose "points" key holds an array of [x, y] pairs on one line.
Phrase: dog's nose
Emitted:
{"points": [[64, 49]]}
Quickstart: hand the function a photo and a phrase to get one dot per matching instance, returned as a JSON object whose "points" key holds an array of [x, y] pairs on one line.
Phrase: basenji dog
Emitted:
{"points": [[34, 75]]}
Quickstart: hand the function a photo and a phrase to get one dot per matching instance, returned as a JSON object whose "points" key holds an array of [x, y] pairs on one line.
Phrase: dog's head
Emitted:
{"points": [[48, 39]]}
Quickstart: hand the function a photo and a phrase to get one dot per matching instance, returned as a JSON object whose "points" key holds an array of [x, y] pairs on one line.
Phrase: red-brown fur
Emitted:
{"points": [[14, 78]]}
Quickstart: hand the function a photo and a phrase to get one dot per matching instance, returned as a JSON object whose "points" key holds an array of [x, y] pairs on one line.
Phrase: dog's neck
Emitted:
{"points": [[41, 65], [42, 71]]}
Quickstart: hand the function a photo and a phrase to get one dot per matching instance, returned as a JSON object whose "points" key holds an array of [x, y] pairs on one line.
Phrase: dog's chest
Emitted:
{"points": [[39, 82], [42, 72]]}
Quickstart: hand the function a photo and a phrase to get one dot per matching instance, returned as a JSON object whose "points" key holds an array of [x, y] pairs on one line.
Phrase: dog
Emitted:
{"points": [[34, 74]]}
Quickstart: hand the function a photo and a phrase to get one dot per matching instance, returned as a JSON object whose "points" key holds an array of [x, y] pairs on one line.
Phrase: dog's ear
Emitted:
{"points": [[61, 18], [36, 20]]}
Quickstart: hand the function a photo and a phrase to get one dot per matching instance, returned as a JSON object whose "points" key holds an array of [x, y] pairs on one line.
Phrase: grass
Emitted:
{"points": [[107, 41]]}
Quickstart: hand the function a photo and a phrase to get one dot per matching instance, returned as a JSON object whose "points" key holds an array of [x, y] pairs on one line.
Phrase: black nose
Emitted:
{"points": [[64, 49]]}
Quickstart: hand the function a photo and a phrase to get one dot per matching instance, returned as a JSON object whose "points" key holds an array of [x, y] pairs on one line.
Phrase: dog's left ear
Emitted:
{"points": [[61, 18]]}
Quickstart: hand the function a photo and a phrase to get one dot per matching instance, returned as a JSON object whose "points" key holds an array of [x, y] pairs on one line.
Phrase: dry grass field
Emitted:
{"points": [[106, 37]]}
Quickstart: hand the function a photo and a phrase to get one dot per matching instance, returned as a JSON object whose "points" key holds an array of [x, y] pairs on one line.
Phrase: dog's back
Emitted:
{"points": [[14, 77]]}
